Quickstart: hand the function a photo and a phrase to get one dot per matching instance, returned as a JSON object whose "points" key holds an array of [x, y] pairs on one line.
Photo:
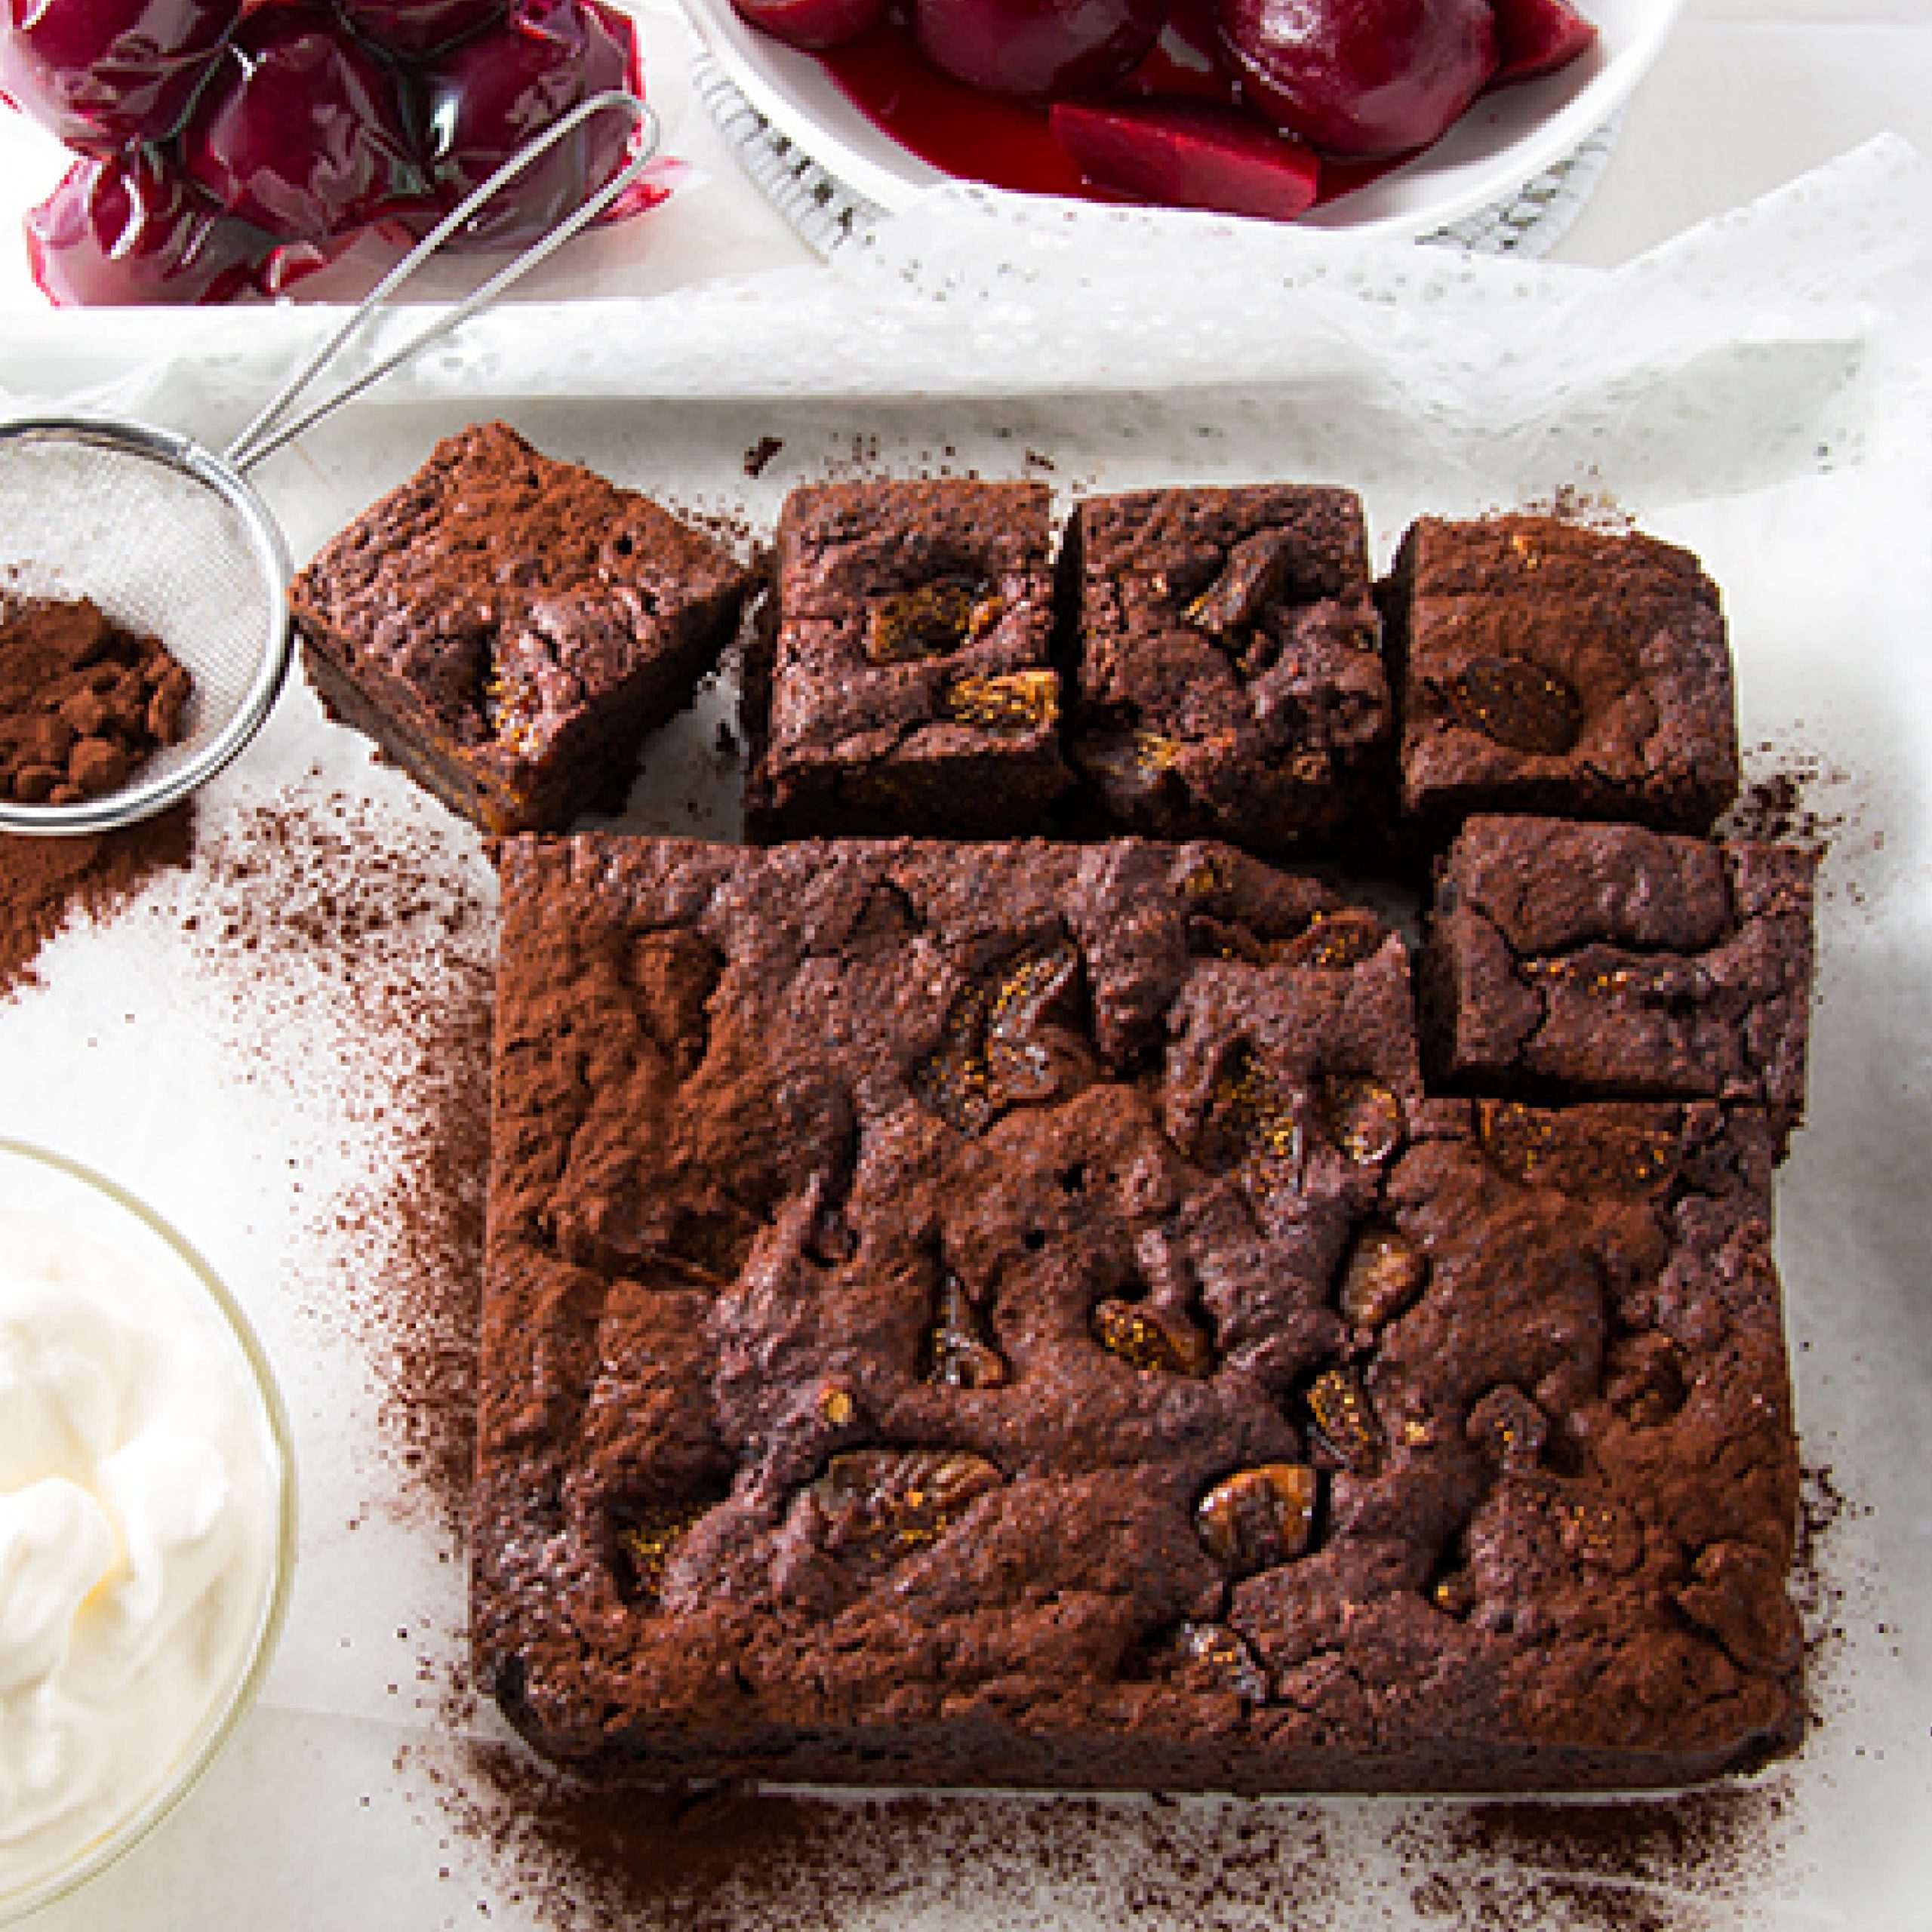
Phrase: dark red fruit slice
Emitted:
{"points": [[128, 230], [1535, 37], [1361, 77], [1187, 63], [1037, 49], [412, 29], [300, 130], [483, 99], [105, 74], [1189, 154], [814, 24]]}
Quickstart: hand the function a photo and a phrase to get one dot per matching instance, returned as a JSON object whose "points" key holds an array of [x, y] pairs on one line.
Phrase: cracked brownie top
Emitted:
{"points": [[1007, 1313], [512, 613], [1231, 677], [909, 677], [1594, 961], [1546, 667]]}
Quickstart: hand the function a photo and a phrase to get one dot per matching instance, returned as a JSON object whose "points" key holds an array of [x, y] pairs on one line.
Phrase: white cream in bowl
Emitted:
{"points": [[142, 1530]]}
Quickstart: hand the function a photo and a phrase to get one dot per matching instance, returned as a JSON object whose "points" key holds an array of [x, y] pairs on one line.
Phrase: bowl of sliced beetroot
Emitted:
{"points": [[223, 146], [1402, 115]]}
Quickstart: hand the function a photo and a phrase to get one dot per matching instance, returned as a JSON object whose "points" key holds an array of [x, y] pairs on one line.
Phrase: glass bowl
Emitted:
{"points": [[49, 1188]]}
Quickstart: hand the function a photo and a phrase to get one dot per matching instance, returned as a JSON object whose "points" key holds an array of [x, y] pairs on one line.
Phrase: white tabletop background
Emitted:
{"points": [[1748, 94]]}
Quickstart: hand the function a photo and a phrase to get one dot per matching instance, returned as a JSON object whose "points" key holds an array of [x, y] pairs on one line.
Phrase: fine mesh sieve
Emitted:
{"points": [[171, 540]]}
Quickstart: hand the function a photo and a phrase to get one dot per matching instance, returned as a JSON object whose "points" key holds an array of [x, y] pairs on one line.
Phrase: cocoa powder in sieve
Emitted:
{"points": [[83, 702]]}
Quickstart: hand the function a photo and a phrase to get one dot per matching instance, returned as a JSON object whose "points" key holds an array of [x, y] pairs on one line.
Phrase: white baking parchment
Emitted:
{"points": [[1761, 389]]}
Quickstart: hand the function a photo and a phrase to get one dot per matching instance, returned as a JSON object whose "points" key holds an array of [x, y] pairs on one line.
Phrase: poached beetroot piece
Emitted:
{"points": [[1535, 37], [1361, 77], [411, 28], [483, 100], [124, 229], [103, 75], [964, 85], [1190, 155], [814, 24], [300, 130], [1037, 49]]}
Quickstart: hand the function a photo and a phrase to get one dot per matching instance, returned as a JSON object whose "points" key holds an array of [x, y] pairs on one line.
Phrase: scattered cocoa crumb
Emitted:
{"points": [[1589, 509], [1774, 805], [580, 1859], [760, 453], [1614, 1865], [322, 915], [46, 882]]}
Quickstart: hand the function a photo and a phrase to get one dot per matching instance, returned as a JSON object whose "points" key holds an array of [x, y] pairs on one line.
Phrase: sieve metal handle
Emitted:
{"points": [[268, 432]]}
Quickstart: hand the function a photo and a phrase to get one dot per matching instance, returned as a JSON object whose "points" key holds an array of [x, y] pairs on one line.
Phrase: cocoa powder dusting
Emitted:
{"points": [[326, 917], [577, 1860], [1620, 1865], [46, 882]]}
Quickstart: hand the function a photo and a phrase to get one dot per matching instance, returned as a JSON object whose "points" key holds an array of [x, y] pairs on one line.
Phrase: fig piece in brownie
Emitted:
{"points": [[1231, 681], [1005, 1315], [508, 628], [1580, 961], [904, 683], [1545, 666]]}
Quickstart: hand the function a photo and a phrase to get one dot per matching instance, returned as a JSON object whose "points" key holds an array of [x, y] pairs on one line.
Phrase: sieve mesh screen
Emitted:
{"points": [[139, 524]]}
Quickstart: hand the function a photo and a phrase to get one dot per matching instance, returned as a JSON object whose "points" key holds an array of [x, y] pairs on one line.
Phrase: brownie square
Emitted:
{"points": [[1607, 960], [1005, 1315], [1230, 682], [1567, 1556], [1548, 667], [508, 628], [904, 682]]}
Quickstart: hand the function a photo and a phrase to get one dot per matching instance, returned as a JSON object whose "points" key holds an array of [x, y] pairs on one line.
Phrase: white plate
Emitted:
{"points": [[1504, 141]]}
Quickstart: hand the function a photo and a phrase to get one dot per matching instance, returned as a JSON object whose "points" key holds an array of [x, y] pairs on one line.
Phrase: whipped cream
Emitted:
{"points": [[139, 1511]]}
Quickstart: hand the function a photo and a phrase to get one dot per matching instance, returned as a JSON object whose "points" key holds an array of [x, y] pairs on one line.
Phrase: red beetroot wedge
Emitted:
{"points": [[125, 228], [1037, 50], [1361, 77], [815, 25], [301, 131], [1189, 154], [104, 74], [1535, 37]]}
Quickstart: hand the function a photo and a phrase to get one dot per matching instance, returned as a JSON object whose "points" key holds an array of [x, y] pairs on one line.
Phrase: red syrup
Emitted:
{"points": [[975, 136]]}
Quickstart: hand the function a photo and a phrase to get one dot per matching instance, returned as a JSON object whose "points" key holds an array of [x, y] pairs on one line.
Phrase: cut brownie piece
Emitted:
{"points": [[1005, 1315], [508, 628], [1569, 1557], [1581, 960], [1230, 682], [1546, 667], [904, 682]]}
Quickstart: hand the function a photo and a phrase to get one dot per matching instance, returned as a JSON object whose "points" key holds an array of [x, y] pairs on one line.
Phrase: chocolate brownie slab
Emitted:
{"points": [[1593, 961], [508, 628], [1230, 682], [903, 683], [1006, 1314], [1547, 667]]}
